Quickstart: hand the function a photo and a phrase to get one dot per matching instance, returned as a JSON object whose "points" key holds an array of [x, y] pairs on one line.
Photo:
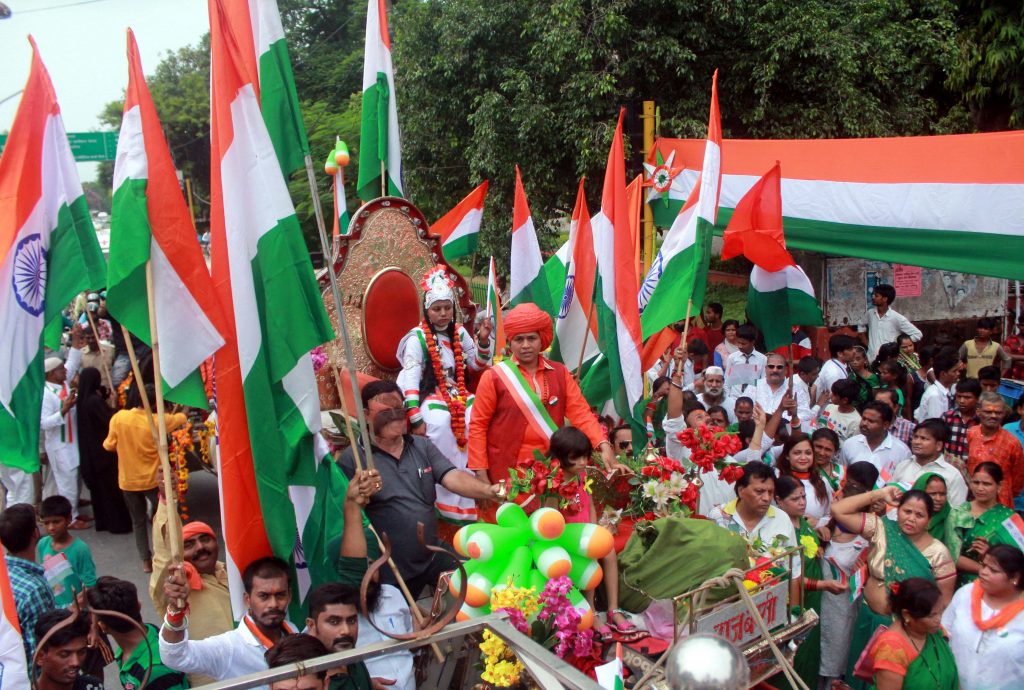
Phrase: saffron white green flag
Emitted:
{"points": [[492, 309], [48, 254], [667, 190], [575, 325], [379, 141], [460, 228], [680, 269], [618, 375], [150, 224], [779, 300], [341, 215], [280, 492], [527, 280]]}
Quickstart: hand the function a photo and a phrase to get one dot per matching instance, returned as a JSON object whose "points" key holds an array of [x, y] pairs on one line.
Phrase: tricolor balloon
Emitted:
{"points": [[528, 551], [336, 159]]}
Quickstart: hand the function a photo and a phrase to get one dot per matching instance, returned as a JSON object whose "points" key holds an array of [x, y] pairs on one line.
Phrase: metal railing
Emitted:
{"points": [[549, 671]]}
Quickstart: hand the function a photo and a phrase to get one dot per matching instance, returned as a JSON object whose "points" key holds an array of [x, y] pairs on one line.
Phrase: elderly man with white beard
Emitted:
{"points": [[715, 393]]}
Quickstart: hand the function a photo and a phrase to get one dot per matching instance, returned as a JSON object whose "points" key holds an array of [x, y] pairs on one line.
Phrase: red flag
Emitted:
{"points": [[755, 229]]}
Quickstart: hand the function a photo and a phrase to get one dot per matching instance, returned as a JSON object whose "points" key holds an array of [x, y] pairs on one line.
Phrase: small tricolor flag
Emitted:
{"points": [[610, 675], [460, 228], [1015, 526], [527, 282], [857, 580], [493, 309]]}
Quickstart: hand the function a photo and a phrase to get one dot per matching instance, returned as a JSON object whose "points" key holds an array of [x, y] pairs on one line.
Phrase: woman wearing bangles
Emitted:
{"points": [[900, 549], [985, 622], [791, 497], [975, 526], [912, 654]]}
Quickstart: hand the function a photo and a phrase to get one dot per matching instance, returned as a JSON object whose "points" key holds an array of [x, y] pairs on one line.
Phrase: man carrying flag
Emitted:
{"points": [[48, 254]]}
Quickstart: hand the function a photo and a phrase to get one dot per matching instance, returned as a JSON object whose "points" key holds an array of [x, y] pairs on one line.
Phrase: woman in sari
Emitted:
{"points": [[935, 486], [976, 525], [900, 549], [825, 443], [99, 466], [912, 654], [791, 497]]}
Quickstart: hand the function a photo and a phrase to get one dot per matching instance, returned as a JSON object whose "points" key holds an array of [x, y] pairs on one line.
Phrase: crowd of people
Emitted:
{"points": [[897, 459]]}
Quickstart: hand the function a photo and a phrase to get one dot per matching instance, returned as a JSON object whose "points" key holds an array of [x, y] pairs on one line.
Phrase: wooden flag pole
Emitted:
{"points": [[792, 372], [103, 358], [364, 431], [383, 179], [686, 323], [137, 373], [586, 334], [174, 537]]}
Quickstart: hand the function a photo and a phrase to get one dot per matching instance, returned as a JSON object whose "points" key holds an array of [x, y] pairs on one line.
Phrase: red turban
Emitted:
{"points": [[528, 318], [195, 527]]}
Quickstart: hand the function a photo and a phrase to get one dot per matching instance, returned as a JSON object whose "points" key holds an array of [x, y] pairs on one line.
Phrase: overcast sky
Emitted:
{"points": [[82, 43]]}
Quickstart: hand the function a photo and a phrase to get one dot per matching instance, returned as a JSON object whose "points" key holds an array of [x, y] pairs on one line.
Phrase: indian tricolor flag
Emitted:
{"points": [[953, 202], [341, 215], [618, 317], [460, 228], [256, 25], [273, 461], [379, 143], [13, 666], [679, 271], [48, 254], [780, 294], [150, 224], [527, 282], [575, 321], [493, 309]]}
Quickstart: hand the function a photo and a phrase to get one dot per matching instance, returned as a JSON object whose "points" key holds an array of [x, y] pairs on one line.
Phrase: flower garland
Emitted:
{"points": [[181, 443], [122, 390], [456, 404]]}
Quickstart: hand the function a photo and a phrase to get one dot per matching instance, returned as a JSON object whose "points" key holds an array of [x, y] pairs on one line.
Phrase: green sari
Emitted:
{"points": [[903, 561], [937, 525], [963, 528], [808, 656], [934, 668]]}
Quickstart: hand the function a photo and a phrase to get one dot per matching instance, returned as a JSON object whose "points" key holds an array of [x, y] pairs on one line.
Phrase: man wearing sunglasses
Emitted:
{"points": [[772, 392]]}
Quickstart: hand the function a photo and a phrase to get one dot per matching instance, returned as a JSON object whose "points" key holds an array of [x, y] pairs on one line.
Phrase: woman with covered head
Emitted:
{"points": [[523, 400], [436, 357]]}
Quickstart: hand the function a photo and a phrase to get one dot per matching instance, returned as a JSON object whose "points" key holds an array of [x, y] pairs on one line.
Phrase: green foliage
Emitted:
{"points": [[990, 66]]}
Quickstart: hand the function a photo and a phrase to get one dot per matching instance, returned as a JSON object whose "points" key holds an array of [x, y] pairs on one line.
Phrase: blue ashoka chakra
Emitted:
{"points": [[567, 296], [29, 275]]}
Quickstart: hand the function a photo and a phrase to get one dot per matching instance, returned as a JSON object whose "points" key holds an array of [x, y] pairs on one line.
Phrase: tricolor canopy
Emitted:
{"points": [[951, 202]]}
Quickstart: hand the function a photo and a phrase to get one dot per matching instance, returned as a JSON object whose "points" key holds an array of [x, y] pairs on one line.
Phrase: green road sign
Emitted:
{"points": [[87, 146]]}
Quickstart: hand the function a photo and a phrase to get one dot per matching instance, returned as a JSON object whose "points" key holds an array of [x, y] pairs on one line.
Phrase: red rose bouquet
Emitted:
{"points": [[709, 448], [544, 478]]}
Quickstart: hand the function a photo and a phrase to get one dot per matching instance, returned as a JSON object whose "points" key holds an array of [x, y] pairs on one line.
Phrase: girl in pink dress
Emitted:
{"points": [[573, 450]]}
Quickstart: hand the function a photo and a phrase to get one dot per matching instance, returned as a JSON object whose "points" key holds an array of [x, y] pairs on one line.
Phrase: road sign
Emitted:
{"points": [[87, 146]]}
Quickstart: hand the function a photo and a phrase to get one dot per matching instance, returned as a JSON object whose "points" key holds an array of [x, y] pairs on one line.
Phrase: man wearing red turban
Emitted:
{"points": [[522, 401]]}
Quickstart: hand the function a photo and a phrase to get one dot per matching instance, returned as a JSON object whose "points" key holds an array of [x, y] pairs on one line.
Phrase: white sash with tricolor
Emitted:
{"points": [[450, 506], [526, 399]]}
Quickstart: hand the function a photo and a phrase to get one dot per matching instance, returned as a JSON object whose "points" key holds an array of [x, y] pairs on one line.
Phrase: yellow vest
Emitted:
{"points": [[977, 360]]}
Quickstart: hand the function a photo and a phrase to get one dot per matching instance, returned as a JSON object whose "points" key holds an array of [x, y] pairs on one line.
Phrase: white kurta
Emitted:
{"points": [[990, 660]]}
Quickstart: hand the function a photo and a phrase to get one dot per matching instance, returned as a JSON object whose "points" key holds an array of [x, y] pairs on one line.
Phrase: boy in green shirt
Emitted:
{"points": [[65, 557], [136, 653]]}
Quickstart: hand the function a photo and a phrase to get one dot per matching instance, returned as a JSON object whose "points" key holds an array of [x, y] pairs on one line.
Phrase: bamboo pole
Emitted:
{"points": [[103, 358], [364, 432], [137, 373], [174, 537], [649, 132], [586, 334], [383, 179]]}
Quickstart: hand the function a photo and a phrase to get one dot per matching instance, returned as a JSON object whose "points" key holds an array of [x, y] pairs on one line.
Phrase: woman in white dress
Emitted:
{"points": [[985, 622], [436, 357]]}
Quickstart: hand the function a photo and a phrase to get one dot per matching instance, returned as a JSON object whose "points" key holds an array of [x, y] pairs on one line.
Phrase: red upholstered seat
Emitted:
{"points": [[392, 306]]}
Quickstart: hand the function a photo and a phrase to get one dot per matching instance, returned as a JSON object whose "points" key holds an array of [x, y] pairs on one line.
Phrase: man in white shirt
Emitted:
{"points": [[696, 354], [840, 348], [874, 443], [883, 323], [928, 448], [938, 397], [714, 392], [744, 367], [752, 515], [58, 425], [236, 652], [770, 393]]}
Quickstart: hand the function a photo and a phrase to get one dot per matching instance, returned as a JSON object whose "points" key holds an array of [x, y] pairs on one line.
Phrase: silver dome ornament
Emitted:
{"points": [[706, 662]]}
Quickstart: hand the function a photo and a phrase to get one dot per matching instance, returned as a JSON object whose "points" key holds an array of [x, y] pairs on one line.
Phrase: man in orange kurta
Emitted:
{"points": [[521, 401]]}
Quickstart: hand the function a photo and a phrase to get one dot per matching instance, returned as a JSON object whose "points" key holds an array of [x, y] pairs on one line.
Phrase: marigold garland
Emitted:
{"points": [[181, 443], [456, 404]]}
